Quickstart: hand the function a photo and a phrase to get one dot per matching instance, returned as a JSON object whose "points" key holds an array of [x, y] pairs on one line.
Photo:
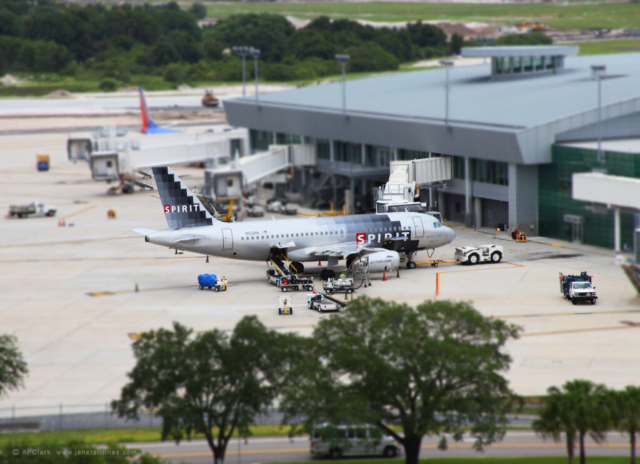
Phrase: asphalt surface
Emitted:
{"points": [[282, 449]]}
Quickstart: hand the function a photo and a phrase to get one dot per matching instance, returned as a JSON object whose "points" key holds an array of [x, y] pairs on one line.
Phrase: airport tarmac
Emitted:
{"points": [[68, 293]]}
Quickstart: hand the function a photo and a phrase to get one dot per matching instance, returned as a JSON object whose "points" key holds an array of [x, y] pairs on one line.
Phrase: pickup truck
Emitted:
{"points": [[32, 209], [578, 288]]}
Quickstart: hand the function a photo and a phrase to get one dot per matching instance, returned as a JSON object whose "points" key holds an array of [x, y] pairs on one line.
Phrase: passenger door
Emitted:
{"points": [[227, 239], [417, 222], [341, 233]]}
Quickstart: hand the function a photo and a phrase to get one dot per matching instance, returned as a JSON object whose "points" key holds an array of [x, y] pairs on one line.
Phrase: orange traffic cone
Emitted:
{"points": [[384, 276], [319, 263]]}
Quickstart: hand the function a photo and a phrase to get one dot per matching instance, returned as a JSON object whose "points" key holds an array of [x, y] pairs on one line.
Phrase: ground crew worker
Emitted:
{"points": [[342, 276]]}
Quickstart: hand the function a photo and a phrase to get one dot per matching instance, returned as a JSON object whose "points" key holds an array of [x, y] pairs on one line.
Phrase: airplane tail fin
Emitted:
{"points": [[147, 122], [181, 207]]}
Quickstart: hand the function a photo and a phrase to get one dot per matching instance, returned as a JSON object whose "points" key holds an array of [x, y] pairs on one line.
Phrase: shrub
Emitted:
{"points": [[280, 73], [173, 73], [108, 84]]}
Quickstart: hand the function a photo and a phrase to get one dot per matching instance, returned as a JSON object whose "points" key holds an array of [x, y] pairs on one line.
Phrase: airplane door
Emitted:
{"points": [[227, 239], [341, 233], [417, 222]]}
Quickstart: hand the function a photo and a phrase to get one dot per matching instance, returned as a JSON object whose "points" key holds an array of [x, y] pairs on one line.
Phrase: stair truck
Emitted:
{"points": [[578, 288]]}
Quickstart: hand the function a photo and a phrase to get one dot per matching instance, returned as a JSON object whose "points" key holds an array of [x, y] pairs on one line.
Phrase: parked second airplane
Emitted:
{"points": [[381, 237]]}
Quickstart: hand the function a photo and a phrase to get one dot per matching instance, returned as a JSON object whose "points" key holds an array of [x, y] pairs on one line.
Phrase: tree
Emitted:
{"points": [[625, 409], [208, 383], [198, 10], [456, 43], [13, 368], [579, 410], [431, 370]]}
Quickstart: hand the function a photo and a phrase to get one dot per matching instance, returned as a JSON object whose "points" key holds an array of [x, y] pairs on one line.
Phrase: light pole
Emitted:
{"points": [[343, 60], [243, 52], [597, 72], [447, 65], [255, 53]]}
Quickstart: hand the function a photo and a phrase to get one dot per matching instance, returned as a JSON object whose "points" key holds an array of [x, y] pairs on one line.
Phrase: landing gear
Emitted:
{"points": [[296, 267], [410, 262], [327, 274]]}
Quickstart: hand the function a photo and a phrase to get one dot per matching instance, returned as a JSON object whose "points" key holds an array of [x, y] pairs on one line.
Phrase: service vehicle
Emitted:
{"points": [[211, 281], [343, 284], [479, 254], [255, 211], [289, 209], [277, 206], [578, 288], [36, 209], [352, 440], [209, 100], [285, 305], [323, 303], [289, 282]]}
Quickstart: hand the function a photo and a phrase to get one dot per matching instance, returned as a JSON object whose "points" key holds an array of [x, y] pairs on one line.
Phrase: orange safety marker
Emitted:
{"points": [[437, 284], [384, 276], [319, 263]]}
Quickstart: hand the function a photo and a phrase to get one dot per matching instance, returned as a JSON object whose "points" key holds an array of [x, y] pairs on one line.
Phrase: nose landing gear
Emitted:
{"points": [[410, 262]]}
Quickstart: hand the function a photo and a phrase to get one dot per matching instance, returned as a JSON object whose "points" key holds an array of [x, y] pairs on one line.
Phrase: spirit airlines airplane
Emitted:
{"points": [[148, 125], [380, 237]]}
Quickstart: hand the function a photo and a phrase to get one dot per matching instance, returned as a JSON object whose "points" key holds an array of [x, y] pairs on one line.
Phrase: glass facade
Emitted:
{"points": [[260, 140], [554, 196], [287, 139], [378, 156], [408, 155], [490, 172], [457, 166], [323, 149], [348, 152]]}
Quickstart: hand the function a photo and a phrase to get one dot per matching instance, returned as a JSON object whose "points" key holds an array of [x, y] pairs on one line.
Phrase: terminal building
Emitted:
{"points": [[517, 128]]}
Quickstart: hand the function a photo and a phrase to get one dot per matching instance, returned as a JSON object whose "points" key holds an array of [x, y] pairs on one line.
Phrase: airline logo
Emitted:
{"points": [[363, 239], [180, 208]]}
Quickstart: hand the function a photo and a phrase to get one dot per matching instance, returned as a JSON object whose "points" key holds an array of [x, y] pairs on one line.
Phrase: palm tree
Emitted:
{"points": [[579, 410], [625, 408]]}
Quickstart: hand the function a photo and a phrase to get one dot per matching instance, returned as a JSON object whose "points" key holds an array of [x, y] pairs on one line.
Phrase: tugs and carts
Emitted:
{"points": [[578, 288], [287, 280], [211, 281], [480, 254], [343, 284], [324, 303], [285, 305]]}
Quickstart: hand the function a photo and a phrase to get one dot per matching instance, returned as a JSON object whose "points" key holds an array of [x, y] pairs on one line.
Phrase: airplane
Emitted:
{"points": [[379, 237], [149, 127]]}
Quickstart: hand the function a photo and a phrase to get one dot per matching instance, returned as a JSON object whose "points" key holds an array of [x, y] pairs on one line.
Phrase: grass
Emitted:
{"points": [[130, 435], [565, 16], [484, 460], [605, 47]]}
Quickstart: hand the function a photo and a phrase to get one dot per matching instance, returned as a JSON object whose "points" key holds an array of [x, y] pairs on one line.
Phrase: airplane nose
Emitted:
{"points": [[451, 236]]}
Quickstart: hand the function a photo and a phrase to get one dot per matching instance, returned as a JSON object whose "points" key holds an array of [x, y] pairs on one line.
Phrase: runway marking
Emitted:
{"points": [[430, 447], [513, 265], [589, 313], [78, 212], [57, 260], [596, 329]]}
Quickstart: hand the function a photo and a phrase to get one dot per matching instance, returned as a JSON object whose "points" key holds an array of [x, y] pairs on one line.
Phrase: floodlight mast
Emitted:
{"points": [[255, 53], [597, 72], [447, 65], [243, 52], [344, 60]]}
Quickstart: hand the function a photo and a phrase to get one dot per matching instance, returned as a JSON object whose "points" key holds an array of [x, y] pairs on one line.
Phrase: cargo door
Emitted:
{"points": [[227, 239], [341, 233], [417, 222]]}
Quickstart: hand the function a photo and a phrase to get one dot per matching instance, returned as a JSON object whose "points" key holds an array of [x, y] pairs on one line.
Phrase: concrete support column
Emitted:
{"points": [[467, 191], [395, 154], [523, 198], [351, 204], [335, 191], [332, 152], [275, 138], [477, 212], [364, 154], [441, 204], [616, 229], [432, 200]]}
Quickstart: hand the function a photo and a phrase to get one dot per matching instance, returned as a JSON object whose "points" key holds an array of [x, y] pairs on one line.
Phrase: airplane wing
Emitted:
{"points": [[343, 250]]}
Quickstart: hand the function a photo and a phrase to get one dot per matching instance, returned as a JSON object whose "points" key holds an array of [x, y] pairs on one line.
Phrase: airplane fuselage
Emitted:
{"points": [[306, 239]]}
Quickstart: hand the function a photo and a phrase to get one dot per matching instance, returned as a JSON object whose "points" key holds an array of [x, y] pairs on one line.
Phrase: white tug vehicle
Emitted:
{"points": [[479, 254]]}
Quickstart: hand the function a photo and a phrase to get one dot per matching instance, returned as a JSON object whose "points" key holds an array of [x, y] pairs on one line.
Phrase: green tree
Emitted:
{"points": [[456, 43], [625, 411], [431, 369], [108, 84], [209, 382], [13, 368], [371, 57], [578, 409], [198, 10], [533, 38]]}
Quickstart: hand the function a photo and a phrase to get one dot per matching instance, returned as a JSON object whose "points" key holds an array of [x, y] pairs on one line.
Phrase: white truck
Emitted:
{"points": [[323, 303], [343, 284], [479, 254], [36, 209], [577, 288]]}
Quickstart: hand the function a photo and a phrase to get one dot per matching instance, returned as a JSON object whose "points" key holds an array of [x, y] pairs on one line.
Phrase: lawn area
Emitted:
{"points": [[605, 47], [483, 460], [131, 435], [566, 16]]}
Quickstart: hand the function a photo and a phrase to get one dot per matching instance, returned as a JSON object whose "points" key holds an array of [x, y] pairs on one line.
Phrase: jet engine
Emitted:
{"points": [[383, 261]]}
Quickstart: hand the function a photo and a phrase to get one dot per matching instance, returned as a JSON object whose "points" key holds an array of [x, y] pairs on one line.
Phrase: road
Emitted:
{"points": [[281, 449]]}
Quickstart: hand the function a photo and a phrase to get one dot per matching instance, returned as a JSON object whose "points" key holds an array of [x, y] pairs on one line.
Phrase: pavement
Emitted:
{"points": [[68, 293]]}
